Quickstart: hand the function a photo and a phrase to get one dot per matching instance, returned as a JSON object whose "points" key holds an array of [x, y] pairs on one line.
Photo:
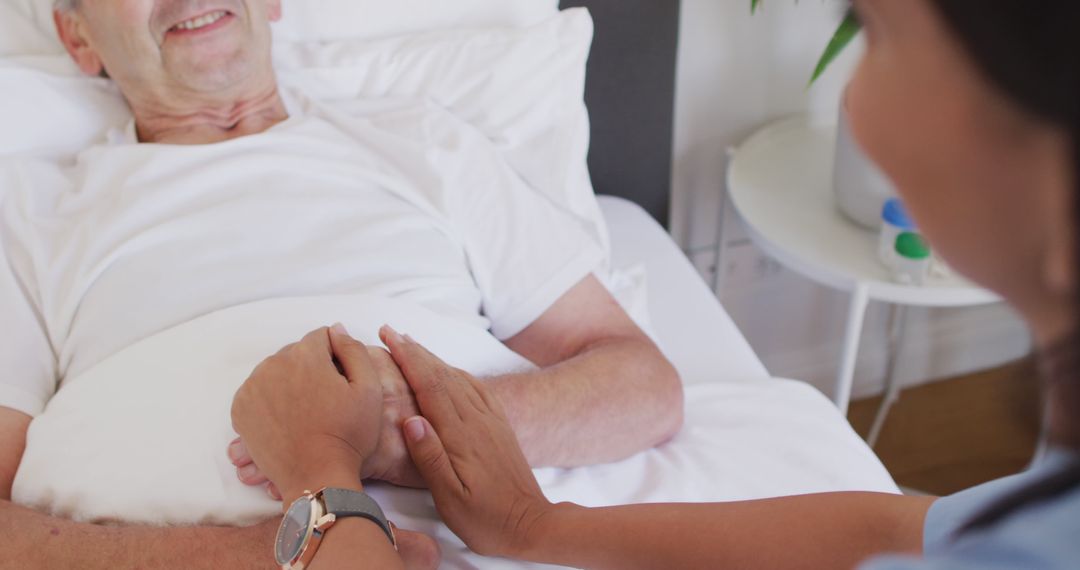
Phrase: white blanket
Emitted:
{"points": [[141, 437]]}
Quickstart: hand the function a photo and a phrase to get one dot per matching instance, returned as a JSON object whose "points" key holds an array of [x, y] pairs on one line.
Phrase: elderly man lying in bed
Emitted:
{"points": [[225, 191]]}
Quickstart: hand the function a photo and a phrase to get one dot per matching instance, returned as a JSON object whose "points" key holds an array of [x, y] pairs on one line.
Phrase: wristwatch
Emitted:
{"points": [[310, 516]]}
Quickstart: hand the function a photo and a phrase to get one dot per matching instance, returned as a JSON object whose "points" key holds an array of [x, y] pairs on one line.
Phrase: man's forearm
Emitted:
{"points": [[34, 540], [609, 402], [837, 530]]}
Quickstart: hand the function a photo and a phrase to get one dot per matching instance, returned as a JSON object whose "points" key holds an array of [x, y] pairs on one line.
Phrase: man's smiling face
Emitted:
{"points": [[166, 51]]}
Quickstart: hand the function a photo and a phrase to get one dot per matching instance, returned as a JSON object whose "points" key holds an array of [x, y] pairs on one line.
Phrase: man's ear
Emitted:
{"points": [[273, 10], [70, 29]]}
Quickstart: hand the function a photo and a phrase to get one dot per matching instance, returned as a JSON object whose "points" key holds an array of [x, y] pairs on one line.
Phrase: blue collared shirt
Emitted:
{"points": [[1043, 536]]}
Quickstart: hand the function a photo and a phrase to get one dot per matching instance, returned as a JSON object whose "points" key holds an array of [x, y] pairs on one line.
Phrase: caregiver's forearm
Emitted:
{"points": [[835, 531], [34, 540], [612, 400]]}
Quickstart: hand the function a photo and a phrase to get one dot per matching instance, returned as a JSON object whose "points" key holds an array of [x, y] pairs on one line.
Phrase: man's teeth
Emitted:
{"points": [[201, 21]]}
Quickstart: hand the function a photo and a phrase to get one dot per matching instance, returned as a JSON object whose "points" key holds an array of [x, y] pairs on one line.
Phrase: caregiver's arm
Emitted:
{"points": [[603, 391], [838, 530], [33, 540], [486, 493]]}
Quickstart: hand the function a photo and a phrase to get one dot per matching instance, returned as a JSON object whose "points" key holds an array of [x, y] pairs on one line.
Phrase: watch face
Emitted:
{"points": [[294, 529]]}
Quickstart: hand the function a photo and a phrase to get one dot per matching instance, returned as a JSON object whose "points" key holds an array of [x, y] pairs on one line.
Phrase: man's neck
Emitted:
{"points": [[210, 123]]}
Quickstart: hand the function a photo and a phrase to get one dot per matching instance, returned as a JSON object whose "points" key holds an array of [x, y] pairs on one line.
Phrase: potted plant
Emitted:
{"points": [[861, 189]]}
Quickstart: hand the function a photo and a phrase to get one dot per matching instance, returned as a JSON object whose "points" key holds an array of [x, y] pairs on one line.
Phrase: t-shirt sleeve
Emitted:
{"points": [[524, 252], [27, 363], [1031, 549], [989, 559], [944, 518], [949, 514]]}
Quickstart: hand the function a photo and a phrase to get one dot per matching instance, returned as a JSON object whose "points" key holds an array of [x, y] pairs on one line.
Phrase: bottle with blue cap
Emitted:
{"points": [[894, 221]]}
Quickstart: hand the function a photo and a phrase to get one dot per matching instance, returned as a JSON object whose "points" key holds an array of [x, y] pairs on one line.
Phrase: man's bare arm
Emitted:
{"points": [[34, 540], [603, 392]]}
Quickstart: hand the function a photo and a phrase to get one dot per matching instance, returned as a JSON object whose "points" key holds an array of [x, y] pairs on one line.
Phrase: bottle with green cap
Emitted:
{"points": [[912, 259]]}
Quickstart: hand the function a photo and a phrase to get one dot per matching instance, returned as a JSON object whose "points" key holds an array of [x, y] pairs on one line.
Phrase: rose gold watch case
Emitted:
{"points": [[318, 523]]}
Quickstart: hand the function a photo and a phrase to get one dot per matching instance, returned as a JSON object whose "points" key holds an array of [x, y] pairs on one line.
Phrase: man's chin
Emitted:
{"points": [[216, 75]]}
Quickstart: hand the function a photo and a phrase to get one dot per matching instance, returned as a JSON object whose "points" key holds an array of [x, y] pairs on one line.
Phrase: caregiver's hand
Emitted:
{"points": [[468, 454], [308, 425], [305, 424], [390, 462]]}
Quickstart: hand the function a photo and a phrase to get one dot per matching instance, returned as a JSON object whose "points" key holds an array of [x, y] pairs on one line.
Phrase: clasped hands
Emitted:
{"points": [[390, 460], [329, 410]]}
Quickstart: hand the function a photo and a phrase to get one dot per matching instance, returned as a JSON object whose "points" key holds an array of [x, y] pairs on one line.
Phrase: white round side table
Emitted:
{"points": [[780, 182]]}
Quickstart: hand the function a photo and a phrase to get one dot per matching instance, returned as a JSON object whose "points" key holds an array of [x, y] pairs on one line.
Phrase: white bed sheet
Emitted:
{"points": [[690, 326], [746, 436]]}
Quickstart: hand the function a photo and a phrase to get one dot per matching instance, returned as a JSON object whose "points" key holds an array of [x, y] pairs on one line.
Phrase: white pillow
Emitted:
{"points": [[522, 88], [51, 111], [328, 20], [79, 461], [26, 26]]}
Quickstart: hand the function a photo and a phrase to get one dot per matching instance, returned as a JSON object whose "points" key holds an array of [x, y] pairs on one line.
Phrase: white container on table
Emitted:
{"points": [[859, 186]]}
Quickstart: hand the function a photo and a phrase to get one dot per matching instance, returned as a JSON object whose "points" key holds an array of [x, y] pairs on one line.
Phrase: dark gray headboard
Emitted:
{"points": [[630, 92]]}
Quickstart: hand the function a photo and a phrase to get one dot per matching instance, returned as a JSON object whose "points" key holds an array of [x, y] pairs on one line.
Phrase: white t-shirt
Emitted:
{"points": [[399, 199]]}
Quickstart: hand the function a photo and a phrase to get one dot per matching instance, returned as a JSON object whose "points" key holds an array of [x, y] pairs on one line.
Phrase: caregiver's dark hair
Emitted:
{"points": [[1031, 51]]}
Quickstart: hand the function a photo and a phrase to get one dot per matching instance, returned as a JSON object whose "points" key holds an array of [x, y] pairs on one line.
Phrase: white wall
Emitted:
{"points": [[738, 72]]}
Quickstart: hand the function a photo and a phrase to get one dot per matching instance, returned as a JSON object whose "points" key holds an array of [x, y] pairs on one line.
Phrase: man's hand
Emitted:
{"points": [[467, 452], [390, 462], [306, 424]]}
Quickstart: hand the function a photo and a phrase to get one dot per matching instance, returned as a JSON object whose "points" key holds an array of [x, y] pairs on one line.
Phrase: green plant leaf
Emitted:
{"points": [[754, 5], [847, 31]]}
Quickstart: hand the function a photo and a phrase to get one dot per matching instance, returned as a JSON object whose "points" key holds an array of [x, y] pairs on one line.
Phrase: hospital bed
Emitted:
{"points": [[746, 435]]}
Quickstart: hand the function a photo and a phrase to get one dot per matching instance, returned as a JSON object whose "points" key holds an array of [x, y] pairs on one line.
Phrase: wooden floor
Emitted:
{"points": [[950, 435]]}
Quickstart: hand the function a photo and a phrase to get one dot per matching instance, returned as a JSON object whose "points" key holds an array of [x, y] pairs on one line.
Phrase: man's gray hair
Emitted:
{"points": [[65, 5]]}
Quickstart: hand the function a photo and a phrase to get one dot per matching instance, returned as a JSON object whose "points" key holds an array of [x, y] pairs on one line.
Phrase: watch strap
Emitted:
{"points": [[347, 503]]}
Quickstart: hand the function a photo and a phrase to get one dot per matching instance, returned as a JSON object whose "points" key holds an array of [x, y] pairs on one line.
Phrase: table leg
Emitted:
{"points": [[898, 330], [719, 263], [860, 298], [1043, 445]]}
